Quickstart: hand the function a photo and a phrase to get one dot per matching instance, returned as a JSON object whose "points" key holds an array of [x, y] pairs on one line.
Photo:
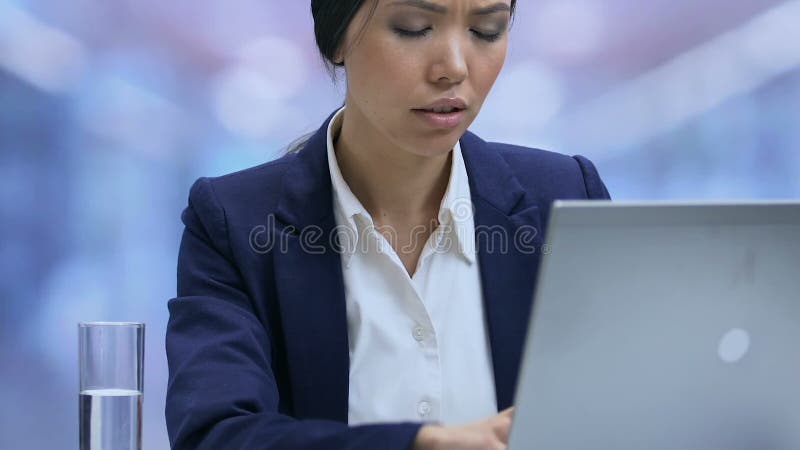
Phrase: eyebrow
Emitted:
{"points": [[433, 7]]}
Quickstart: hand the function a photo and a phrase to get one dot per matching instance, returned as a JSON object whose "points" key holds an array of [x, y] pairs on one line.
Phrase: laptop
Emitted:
{"points": [[664, 326]]}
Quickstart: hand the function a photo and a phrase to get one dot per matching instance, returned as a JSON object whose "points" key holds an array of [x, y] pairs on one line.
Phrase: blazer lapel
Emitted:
{"points": [[310, 287], [508, 235]]}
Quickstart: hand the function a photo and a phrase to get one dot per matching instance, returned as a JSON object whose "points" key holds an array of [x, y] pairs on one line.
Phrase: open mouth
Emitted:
{"points": [[441, 110]]}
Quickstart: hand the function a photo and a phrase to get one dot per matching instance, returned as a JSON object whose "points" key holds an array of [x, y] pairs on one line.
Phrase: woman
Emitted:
{"points": [[371, 290]]}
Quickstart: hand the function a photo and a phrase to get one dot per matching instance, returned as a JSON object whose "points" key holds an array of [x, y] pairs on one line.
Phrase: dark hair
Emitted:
{"points": [[331, 20]]}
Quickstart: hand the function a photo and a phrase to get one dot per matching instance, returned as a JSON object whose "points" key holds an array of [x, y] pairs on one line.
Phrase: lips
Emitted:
{"points": [[444, 113], [444, 105], [442, 110], [446, 120]]}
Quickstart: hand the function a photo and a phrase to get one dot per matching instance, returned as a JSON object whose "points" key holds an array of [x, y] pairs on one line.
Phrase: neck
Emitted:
{"points": [[392, 183]]}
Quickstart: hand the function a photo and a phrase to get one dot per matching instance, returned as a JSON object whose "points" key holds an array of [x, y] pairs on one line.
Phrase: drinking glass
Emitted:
{"points": [[111, 385]]}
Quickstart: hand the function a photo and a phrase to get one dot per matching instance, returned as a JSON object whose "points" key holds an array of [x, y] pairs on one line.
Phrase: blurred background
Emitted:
{"points": [[110, 109]]}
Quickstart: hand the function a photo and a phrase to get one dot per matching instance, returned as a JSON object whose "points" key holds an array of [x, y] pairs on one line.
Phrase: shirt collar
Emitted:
{"points": [[455, 210], [346, 206]]}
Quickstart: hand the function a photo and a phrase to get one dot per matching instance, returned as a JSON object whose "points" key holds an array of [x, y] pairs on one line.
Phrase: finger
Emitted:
{"points": [[501, 427], [507, 412], [500, 445]]}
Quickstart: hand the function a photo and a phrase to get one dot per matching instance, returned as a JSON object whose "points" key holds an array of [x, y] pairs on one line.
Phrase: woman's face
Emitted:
{"points": [[415, 52]]}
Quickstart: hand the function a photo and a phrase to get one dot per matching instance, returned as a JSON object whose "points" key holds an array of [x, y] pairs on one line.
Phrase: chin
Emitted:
{"points": [[434, 146]]}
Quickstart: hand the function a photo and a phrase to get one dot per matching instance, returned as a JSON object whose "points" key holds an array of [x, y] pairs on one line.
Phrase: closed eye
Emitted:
{"points": [[412, 33], [420, 33], [487, 37]]}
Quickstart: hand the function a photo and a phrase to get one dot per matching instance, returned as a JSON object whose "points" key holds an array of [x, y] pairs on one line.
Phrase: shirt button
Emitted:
{"points": [[419, 333], [423, 408]]}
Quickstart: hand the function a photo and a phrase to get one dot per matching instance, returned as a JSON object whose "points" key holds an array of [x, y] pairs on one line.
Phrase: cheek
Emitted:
{"points": [[382, 71], [485, 71]]}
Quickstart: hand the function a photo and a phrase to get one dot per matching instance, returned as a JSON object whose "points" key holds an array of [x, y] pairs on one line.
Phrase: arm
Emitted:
{"points": [[222, 392], [595, 188]]}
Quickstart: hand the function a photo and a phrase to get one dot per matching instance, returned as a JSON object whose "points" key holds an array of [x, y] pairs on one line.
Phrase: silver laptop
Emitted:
{"points": [[664, 327]]}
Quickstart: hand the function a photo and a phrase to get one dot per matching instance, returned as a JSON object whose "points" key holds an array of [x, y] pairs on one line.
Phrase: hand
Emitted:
{"points": [[488, 434]]}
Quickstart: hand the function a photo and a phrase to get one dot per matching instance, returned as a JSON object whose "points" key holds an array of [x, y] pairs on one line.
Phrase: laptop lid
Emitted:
{"points": [[664, 326]]}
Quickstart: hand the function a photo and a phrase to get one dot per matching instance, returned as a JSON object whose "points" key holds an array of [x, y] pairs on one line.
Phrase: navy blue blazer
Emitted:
{"points": [[257, 336]]}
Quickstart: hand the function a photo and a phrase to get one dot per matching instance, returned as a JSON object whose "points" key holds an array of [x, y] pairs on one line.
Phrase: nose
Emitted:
{"points": [[450, 63]]}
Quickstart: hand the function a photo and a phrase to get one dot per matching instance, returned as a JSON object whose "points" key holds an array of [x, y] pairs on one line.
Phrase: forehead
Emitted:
{"points": [[471, 7]]}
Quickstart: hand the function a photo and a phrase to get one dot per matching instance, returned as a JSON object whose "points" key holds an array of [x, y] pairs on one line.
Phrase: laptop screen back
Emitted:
{"points": [[664, 327]]}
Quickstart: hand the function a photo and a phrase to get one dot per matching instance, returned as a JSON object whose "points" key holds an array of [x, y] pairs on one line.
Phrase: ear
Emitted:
{"points": [[338, 55]]}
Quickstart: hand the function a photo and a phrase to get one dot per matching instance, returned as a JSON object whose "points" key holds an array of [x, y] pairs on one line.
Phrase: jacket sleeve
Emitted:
{"points": [[595, 188], [222, 393]]}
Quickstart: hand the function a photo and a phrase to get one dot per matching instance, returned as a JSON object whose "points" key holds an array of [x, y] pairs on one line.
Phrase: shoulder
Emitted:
{"points": [[231, 205], [259, 185], [551, 174]]}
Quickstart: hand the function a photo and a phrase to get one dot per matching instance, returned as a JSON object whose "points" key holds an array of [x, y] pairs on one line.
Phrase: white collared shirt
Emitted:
{"points": [[419, 348]]}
